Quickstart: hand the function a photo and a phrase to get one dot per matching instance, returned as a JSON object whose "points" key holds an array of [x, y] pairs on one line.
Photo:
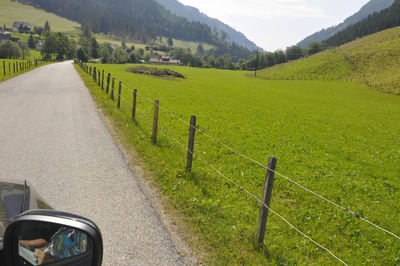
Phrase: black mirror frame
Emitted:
{"points": [[57, 217]]}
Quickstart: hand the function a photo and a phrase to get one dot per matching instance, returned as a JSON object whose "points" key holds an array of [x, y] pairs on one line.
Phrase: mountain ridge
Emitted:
{"points": [[194, 14], [369, 8]]}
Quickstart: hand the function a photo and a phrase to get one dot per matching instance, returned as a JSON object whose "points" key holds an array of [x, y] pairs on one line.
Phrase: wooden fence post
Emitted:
{"points": [[94, 74], [4, 67], [112, 89], [192, 131], [119, 95], [98, 78], [155, 122], [266, 198], [14, 67], [108, 82], [9, 67], [102, 79], [134, 105]]}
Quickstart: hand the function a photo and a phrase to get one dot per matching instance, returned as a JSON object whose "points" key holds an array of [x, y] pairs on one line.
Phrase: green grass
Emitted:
{"points": [[9, 64], [14, 11], [373, 61], [338, 139]]}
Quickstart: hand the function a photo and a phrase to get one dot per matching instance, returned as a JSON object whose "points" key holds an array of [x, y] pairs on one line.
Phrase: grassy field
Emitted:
{"points": [[9, 67], [373, 61], [14, 11], [339, 139]]}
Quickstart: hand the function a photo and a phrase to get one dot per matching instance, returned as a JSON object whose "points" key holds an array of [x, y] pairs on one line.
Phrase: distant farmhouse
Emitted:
{"points": [[164, 60], [39, 45], [5, 37], [21, 27], [4, 34]]}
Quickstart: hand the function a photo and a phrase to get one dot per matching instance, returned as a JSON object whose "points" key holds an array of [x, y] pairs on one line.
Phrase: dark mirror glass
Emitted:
{"points": [[40, 243]]}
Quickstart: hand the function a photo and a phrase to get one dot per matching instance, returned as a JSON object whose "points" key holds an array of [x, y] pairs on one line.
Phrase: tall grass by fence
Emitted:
{"points": [[189, 150], [10, 68]]}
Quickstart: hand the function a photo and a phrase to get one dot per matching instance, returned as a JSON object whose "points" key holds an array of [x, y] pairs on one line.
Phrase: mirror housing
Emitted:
{"points": [[61, 225]]}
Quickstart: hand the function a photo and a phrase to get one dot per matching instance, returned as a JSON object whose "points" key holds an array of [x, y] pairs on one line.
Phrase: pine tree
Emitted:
{"points": [[31, 42]]}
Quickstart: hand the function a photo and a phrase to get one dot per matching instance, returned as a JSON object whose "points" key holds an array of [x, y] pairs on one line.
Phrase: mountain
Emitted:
{"points": [[130, 19], [373, 61], [371, 7], [387, 18], [193, 14]]}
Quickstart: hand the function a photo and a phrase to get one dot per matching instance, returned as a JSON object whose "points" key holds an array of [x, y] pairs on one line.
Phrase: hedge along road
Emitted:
{"points": [[52, 135]]}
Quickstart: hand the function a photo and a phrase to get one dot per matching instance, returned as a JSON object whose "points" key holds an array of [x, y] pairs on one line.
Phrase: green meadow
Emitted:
{"points": [[337, 138]]}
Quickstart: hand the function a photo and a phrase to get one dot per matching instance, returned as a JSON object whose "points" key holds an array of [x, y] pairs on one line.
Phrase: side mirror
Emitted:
{"points": [[44, 237]]}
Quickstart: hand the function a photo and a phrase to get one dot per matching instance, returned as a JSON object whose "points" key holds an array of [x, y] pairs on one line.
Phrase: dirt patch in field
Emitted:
{"points": [[152, 71]]}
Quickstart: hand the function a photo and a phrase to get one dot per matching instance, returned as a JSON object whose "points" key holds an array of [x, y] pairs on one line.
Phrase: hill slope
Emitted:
{"points": [[132, 19], [385, 19], [373, 60], [13, 11], [193, 14], [370, 8]]}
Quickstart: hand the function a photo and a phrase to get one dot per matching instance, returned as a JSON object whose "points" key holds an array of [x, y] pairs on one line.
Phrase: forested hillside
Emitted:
{"points": [[138, 20], [193, 14], [371, 7], [133, 19], [385, 19]]}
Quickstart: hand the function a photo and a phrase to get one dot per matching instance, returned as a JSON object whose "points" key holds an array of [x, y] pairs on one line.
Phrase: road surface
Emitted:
{"points": [[52, 135]]}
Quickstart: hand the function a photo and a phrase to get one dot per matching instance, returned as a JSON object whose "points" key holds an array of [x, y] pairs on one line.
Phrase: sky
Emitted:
{"points": [[277, 24]]}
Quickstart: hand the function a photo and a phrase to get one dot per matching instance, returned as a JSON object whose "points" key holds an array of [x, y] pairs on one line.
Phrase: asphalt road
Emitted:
{"points": [[52, 135]]}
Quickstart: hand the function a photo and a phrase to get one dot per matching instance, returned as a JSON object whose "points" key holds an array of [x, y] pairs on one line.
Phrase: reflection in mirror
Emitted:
{"points": [[41, 243]]}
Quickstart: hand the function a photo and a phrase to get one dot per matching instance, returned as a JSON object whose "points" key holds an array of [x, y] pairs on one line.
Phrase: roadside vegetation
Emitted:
{"points": [[10, 68], [336, 138]]}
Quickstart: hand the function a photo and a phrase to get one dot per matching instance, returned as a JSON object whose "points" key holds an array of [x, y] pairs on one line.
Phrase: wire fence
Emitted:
{"points": [[12, 66], [239, 186]]}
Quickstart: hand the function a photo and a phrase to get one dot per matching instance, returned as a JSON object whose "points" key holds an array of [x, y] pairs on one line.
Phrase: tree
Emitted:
{"points": [[211, 61], [105, 52], [132, 57], [61, 46], [86, 32], [294, 52], [280, 56], [93, 47], [315, 47], [71, 50], [10, 50], [81, 55], [141, 52], [38, 30], [257, 62], [170, 42], [25, 49], [200, 49], [119, 56], [46, 26], [31, 42], [224, 35], [228, 64], [49, 45]]}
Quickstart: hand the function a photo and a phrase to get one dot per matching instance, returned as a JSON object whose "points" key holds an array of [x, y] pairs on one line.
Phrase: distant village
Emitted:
{"points": [[17, 27], [24, 27]]}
